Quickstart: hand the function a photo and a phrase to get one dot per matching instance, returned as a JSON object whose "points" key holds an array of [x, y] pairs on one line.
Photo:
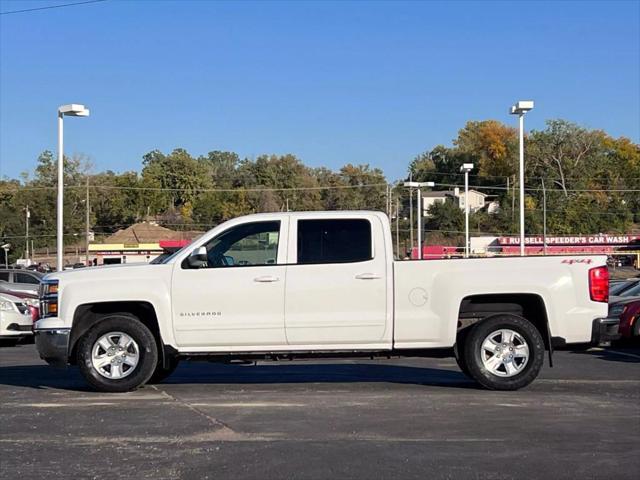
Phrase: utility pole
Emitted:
{"points": [[419, 213], [418, 186], [513, 202], [26, 250], [466, 168], [86, 227], [398, 228], [544, 218], [411, 212]]}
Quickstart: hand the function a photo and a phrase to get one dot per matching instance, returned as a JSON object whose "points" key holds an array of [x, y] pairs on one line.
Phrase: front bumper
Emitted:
{"points": [[605, 330], [53, 345]]}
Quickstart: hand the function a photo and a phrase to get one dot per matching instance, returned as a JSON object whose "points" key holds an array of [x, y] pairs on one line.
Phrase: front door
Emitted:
{"points": [[235, 298], [336, 291]]}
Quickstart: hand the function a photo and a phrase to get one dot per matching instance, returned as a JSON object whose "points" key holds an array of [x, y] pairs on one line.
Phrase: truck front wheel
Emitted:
{"points": [[118, 354], [504, 352]]}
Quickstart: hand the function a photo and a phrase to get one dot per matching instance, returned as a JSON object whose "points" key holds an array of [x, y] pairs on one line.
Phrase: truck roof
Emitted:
{"points": [[318, 213]]}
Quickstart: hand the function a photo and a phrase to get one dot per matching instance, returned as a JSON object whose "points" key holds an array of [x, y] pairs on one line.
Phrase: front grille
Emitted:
{"points": [[14, 327]]}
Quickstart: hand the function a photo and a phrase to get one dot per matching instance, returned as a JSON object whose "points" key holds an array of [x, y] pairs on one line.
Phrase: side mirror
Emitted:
{"points": [[198, 258]]}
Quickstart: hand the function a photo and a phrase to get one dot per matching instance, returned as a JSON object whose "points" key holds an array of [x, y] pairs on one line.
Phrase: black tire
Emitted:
{"points": [[473, 352], [161, 373], [131, 326]]}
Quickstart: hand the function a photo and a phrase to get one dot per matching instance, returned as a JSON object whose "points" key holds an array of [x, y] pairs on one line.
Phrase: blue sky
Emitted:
{"points": [[331, 82]]}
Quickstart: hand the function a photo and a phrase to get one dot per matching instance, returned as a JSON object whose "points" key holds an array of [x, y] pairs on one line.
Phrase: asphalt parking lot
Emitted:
{"points": [[400, 418]]}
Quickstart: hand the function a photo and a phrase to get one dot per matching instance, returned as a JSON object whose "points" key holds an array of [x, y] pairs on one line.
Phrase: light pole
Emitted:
{"points": [[418, 186], [520, 108], [544, 218], [6, 248], [411, 211], [466, 168], [26, 249], [72, 110]]}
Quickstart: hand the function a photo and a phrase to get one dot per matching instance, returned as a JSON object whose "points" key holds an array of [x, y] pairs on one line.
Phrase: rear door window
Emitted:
{"points": [[4, 276], [25, 278], [334, 241]]}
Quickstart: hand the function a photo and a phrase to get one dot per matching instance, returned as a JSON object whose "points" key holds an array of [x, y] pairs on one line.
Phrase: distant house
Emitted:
{"points": [[431, 198], [477, 200], [135, 244]]}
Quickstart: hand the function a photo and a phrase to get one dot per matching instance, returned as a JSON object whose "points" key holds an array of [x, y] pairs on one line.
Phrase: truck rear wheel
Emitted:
{"points": [[504, 352], [118, 354]]}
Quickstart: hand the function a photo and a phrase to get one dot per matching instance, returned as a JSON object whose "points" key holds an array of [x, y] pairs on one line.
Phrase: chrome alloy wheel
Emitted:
{"points": [[115, 355], [504, 353]]}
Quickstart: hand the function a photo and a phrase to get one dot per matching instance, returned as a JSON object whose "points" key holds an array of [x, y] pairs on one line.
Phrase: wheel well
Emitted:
{"points": [[89, 314], [475, 308]]}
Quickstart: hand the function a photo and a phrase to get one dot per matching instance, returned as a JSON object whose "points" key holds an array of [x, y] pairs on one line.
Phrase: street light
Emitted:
{"points": [[466, 168], [72, 110], [520, 108], [6, 248], [418, 186]]}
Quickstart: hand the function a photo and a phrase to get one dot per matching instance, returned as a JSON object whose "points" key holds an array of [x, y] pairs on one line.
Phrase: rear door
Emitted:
{"points": [[336, 293]]}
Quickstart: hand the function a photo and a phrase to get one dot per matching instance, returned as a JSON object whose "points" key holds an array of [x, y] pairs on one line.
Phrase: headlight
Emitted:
{"points": [[49, 298], [49, 287], [33, 302], [7, 306]]}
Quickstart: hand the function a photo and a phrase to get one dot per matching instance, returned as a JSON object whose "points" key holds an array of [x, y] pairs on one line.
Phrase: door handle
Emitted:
{"points": [[368, 276], [266, 279]]}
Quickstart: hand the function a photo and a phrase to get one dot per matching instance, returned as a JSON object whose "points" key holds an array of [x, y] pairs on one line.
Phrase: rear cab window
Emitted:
{"points": [[341, 240]]}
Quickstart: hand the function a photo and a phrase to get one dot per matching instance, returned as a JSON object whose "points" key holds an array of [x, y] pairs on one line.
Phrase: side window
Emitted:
{"points": [[334, 241], [25, 278], [245, 245], [4, 276]]}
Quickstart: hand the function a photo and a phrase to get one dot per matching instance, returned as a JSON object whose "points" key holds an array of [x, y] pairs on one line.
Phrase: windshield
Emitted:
{"points": [[166, 257]]}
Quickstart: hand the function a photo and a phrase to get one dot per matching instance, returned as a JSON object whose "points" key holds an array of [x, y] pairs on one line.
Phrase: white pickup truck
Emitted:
{"points": [[304, 284]]}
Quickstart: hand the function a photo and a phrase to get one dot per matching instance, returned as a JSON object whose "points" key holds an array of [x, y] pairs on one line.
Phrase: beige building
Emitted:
{"points": [[139, 243], [477, 200]]}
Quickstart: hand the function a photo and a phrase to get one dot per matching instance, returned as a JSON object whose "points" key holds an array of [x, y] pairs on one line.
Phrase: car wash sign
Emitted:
{"points": [[572, 240]]}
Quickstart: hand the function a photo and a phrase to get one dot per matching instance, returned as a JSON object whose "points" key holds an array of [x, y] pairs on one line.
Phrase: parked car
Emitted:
{"points": [[630, 319], [40, 267], [619, 284], [631, 289], [15, 320], [20, 279], [30, 299], [319, 284]]}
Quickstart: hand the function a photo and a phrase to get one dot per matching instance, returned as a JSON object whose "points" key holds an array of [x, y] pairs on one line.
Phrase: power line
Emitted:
{"points": [[317, 188], [573, 190], [204, 190], [50, 7]]}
